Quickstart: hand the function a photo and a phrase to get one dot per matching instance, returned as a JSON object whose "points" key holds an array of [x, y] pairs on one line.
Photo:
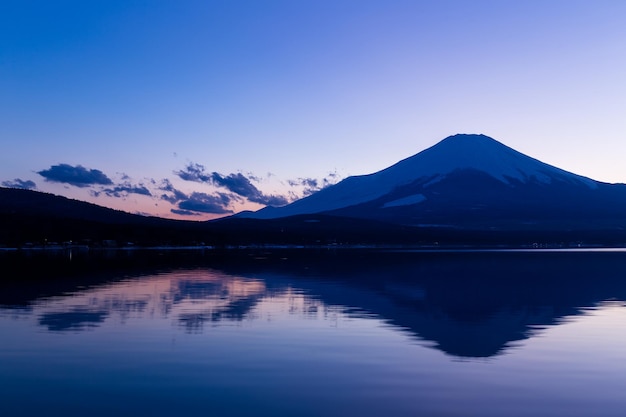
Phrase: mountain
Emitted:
{"points": [[34, 217], [459, 303], [469, 182], [465, 190]]}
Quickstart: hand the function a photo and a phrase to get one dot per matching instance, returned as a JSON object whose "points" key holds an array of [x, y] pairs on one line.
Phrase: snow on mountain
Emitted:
{"points": [[478, 153], [481, 153], [405, 201]]}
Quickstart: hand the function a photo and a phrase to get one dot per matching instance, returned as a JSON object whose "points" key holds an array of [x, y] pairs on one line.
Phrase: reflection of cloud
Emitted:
{"points": [[236, 183], [206, 203], [433, 298], [78, 175], [237, 310], [190, 298], [215, 299], [77, 319], [18, 183]]}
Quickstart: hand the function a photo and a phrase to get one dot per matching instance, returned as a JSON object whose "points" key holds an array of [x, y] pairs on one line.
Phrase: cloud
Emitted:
{"points": [[310, 185], [122, 190], [184, 212], [206, 203], [18, 183], [331, 179], [78, 175], [241, 185], [270, 200], [313, 185], [307, 182], [175, 195], [255, 178], [236, 183], [194, 172]]}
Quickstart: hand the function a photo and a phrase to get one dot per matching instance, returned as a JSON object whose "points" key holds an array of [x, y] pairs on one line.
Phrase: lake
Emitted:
{"points": [[313, 333]]}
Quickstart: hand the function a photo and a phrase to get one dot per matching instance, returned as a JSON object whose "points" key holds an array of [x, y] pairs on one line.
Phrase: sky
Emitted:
{"points": [[200, 109]]}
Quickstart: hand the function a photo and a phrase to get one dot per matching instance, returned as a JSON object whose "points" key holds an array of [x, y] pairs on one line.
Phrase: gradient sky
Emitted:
{"points": [[211, 107]]}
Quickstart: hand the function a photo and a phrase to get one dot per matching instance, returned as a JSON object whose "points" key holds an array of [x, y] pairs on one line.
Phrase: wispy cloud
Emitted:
{"points": [[18, 183], [330, 179], [307, 182], [78, 175], [312, 185]]}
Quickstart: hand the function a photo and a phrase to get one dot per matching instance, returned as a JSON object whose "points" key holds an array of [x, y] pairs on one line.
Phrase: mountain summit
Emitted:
{"points": [[480, 153], [466, 181]]}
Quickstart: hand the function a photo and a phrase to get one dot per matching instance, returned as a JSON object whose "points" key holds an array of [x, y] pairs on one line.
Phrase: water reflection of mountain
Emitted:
{"points": [[78, 319], [466, 304]]}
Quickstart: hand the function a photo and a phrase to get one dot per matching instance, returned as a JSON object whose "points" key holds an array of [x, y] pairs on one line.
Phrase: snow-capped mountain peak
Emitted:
{"points": [[453, 155], [480, 153]]}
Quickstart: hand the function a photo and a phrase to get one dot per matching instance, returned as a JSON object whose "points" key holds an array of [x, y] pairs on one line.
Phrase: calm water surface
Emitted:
{"points": [[315, 334]]}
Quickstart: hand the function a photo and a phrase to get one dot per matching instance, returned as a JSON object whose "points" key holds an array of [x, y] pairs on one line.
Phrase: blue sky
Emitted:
{"points": [[196, 109]]}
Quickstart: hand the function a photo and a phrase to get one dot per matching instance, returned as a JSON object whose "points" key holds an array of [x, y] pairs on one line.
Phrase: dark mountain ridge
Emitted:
{"points": [[39, 218]]}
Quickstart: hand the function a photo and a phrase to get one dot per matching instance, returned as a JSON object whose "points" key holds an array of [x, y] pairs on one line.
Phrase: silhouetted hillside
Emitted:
{"points": [[35, 218]]}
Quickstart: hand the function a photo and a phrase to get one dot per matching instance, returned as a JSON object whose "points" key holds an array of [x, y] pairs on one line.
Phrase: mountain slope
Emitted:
{"points": [[469, 181], [30, 218], [36, 217]]}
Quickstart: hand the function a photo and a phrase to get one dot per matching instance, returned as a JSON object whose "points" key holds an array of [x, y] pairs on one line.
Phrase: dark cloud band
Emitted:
{"points": [[78, 175]]}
